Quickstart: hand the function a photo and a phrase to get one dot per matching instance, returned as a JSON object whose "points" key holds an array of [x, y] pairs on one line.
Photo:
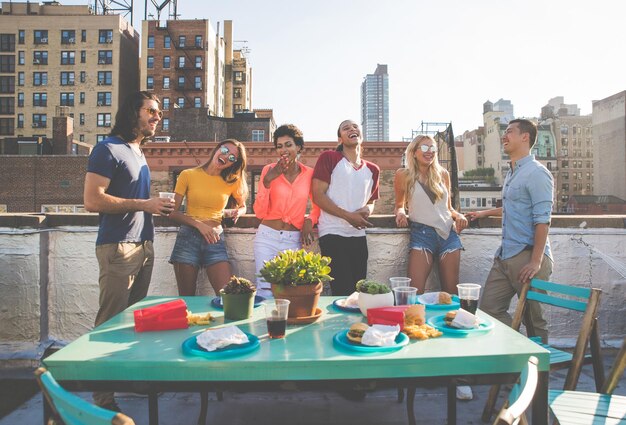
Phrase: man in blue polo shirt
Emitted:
{"points": [[527, 197], [117, 186]]}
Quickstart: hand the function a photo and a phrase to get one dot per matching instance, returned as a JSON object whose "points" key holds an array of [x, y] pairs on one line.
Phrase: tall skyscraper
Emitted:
{"points": [[375, 105]]}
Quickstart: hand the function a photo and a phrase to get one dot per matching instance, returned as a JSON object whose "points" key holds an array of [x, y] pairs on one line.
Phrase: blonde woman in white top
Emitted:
{"points": [[424, 187]]}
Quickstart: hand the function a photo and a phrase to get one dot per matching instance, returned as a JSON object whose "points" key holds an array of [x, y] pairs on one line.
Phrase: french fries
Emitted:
{"points": [[421, 331], [199, 319]]}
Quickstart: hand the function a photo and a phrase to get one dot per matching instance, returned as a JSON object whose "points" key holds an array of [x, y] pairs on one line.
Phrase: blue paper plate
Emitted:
{"points": [[341, 307], [217, 302], [456, 304], [191, 348], [341, 341], [437, 322]]}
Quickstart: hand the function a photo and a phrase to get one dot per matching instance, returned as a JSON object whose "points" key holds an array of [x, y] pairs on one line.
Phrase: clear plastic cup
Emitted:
{"points": [[276, 312], [394, 282], [168, 195], [469, 294], [405, 295]]}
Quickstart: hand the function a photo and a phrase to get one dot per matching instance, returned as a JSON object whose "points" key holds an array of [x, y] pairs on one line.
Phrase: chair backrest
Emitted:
{"points": [[616, 371], [521, 395], [72, 409], [560, 295]]}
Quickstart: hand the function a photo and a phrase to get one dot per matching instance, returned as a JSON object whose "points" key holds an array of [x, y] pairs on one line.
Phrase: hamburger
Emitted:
{"points": [[356, 331], [461, 319], [449, 318]]}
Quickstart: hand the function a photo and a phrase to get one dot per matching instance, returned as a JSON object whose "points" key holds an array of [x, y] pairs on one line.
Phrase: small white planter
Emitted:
{"points": [[374, 300]]}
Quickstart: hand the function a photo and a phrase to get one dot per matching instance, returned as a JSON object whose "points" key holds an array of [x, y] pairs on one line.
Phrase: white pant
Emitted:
{"points": [[267, 244]]}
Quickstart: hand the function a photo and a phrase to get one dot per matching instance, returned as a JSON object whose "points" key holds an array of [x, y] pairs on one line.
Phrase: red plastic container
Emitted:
{"points": [[387, 316], [162, 317]]}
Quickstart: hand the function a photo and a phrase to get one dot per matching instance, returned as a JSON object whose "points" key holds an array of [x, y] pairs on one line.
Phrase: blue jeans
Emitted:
{"points": [[425, 238], [191, 248]]}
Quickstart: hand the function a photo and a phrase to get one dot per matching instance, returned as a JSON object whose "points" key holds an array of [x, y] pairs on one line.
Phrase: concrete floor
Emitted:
{"points": [[304, 408]]}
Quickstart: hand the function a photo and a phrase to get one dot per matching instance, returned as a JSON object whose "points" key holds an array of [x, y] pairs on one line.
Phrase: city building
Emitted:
{"points": [[596, 205], [54, 55], [473, 149], [375, 105], [609, 148], [495, 122], [189, 65]]}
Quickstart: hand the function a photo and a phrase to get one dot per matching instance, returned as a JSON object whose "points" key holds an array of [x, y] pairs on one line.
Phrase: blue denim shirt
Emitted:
{"points": [[526, 201]]}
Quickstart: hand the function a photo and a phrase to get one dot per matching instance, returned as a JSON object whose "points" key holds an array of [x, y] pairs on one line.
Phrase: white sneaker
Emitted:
{"points": [[464, 392]]}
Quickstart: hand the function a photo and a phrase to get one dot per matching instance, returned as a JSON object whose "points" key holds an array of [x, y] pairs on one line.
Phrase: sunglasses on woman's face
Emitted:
{"points": [[426, 148], [231, 157], [153, 112]]}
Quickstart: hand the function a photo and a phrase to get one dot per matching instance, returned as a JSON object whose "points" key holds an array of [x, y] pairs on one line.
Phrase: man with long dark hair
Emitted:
{"points": [[117, 186]]}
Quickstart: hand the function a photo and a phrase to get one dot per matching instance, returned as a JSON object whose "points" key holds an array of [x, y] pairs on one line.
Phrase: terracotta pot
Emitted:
{"points": [[238, 306], [374, 300], [304, 298]]}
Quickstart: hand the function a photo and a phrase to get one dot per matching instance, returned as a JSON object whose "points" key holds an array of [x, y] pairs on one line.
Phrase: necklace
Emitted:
{"points": [[356, 164]]}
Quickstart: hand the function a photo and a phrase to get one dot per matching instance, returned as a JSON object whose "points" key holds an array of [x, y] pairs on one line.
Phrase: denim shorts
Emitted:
{"points": [[424, 237], [191, 248]]}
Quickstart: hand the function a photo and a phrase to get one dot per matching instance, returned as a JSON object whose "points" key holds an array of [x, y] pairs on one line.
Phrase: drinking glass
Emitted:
{"points": [[405, 295], [276, 316], [469, 293], [394, 282]]}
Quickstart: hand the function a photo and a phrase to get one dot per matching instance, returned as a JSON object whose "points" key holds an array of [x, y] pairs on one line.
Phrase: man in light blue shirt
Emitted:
{"points": [[527, 197]]}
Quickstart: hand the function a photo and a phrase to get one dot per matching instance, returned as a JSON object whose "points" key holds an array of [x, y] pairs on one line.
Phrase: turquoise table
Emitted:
{"points": [[114, 357]]}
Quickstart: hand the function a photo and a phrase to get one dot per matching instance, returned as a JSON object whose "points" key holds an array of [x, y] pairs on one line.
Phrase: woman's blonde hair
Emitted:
{"points": [[434, 176]]}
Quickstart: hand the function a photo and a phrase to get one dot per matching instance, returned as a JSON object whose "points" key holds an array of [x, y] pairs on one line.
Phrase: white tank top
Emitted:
{"points": [[437, 215]]}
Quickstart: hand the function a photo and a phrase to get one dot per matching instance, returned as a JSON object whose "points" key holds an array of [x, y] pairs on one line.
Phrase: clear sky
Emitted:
{"points": [[445, 57]]}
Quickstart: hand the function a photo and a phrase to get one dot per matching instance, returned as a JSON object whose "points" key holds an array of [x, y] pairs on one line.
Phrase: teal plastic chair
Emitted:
{"points": [[583, 408], [73, 410], [512, 413], [573, 298]]}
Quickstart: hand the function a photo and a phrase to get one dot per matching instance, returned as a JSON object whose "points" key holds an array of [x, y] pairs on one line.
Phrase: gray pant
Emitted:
{"points": [[502, 284]]}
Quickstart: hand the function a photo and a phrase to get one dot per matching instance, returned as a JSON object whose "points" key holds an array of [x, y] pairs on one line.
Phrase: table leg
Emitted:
{"points": [[153, 408], [410, 398], [204, 406], [540, 400], [452, 403], [47, 410]]}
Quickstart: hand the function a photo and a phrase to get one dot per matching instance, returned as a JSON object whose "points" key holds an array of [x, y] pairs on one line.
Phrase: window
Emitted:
{"points": [[258, 135], [20, 100], [7, 63], [83, 35], [150, 62], [40, 78], [239, 76], [83, 56], [83, 76], [105, 78], [564, 164], [40, 99], [166, 103], [7, 105], [104, 120], [67, 57], [197, 82], [81, 118], [181, 61], [105, 57], [40, 57], [182, 40], [181, 82], [20, 120], [67, 78], [565, 187], [238, 107], [198, 42], [40, 120], [68, 36], [20, 78], [7, 42], [180, 102], [100, 137], [81, 137], [166, 124], [565, 175], [21, 57], [150, 42], [7, 84], [104, 98], [67, 99], [167, 62], [166, 82], [167, 42], [198, 62], [6, 126], [21, 36], [40, 36], [150, 82], [197, 102], [237, 92], [106, 37], [81, 97]]}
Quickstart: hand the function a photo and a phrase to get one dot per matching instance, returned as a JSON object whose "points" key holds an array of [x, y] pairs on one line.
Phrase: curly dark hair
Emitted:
{"points": [[292, 131], [127, 116]]}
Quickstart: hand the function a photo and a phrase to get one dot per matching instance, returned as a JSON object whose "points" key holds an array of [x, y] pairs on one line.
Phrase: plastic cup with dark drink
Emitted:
{"points": [[469, 293], [276, 315]]}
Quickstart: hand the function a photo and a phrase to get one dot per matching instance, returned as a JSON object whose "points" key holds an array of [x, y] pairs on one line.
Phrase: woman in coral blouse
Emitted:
{"points": [[281, 201], [200, 239]]}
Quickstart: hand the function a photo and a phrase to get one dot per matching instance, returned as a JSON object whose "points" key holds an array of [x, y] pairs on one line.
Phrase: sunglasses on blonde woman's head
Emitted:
{"points": [[231, 157], [426, 148], [154, 111]]}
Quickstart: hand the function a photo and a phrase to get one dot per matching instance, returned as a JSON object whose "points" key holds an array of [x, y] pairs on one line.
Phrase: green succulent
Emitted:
{"points": [[238, 285], [372, 287], [296, 268]]}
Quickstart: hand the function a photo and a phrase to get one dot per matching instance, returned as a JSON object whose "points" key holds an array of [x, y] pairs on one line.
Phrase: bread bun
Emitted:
{"points": [[444, 298], [356, 331], [450, 316]]}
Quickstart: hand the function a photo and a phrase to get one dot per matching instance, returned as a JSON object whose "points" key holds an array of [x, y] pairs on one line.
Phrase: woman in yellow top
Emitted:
{"points": [[200, 240]]}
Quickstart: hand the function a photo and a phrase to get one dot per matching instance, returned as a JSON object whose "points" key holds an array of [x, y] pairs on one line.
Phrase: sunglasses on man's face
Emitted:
{"points": [[153, 112], [426, 148], [231, 157]]}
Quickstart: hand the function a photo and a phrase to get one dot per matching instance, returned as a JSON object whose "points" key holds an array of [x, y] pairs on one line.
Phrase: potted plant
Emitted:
{"points": [[373, 294], [298, 276], [238, 298]]}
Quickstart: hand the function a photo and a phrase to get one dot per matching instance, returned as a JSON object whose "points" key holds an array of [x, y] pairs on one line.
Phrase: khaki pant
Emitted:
{"points": [[502, 284], [125, 272]]}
